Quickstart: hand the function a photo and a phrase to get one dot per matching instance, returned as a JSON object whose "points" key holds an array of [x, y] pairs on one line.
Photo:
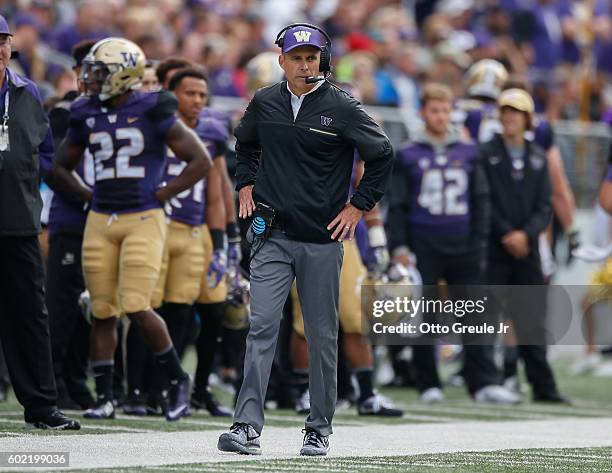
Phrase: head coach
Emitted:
{"points": [[295, 147], [26, 146]]}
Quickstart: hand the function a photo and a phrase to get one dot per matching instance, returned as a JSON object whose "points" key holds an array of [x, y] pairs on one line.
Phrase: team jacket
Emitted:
{"points": [[302, 168], [439, 192], [29, 155], [517, 204]]}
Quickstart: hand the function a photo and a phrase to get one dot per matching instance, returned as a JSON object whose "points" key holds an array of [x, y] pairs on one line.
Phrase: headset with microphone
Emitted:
{"points": [[325, 63]]}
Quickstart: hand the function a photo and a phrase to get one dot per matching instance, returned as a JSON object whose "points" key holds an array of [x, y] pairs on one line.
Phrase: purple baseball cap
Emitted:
{"points": [[302, 36], [4, 29]]}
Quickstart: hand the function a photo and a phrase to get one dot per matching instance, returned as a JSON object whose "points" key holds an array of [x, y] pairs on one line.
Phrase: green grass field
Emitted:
{"points": [[583, 460], [591, 398]]}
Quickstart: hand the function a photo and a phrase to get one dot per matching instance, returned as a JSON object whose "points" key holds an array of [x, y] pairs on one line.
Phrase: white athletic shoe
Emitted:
{"points": [[604, 370], [432, 396], [494, 394], [586, 364], [513, 384], [302, 404]]}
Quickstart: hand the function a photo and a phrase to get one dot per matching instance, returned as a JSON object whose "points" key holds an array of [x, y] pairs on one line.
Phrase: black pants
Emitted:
{"points": [[503, 269], [479, 367], [24, 324], [68, 328]]}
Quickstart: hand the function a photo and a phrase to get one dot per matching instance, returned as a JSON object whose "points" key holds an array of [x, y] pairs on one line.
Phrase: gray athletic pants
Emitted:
{"points": [[316, 268]]}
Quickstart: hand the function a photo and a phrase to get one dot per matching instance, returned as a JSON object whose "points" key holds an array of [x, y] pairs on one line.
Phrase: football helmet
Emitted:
{"points": [[485, 79], [237, 312], [116, 64], [398, 282], [263, 70]]}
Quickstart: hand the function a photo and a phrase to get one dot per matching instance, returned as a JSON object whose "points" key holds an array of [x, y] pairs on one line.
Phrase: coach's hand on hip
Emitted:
{"points": [[345, 222], [247, 206]]}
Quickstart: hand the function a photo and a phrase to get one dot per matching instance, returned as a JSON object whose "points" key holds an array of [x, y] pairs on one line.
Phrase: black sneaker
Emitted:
{"points": [[101, 410], [552, 398], [66, 403], [242, 438], [315, 444], [157, 403], [207, 401], [53, 420]]}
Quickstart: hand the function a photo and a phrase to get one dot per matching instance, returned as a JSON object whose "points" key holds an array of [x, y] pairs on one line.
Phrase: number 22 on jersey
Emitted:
{"points": [[120, 168]]}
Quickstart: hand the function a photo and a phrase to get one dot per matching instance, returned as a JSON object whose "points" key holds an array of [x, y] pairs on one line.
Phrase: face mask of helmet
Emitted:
{"points": [[93, 73]]}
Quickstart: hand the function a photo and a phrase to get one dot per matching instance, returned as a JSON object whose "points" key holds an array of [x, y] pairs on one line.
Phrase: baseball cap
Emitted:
{"points": [[302, 36], [517, 99], [4, 28]]}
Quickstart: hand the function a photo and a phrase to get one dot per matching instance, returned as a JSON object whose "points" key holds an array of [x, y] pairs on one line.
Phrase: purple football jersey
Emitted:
{"points": [[189, 206], [67, 216], [439, 187], [128, 146]]}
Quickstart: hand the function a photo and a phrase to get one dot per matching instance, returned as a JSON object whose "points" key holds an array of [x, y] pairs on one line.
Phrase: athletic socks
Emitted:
{"points": [[511, 356], [136, 357], [178, 319], [103, 376], [301, 380], [366, 386], [169, 361], [211, 316]]}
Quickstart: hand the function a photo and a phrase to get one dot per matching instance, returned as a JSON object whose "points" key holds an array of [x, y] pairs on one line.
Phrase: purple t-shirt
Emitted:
{"points": [[439, 187], [128, 144], [188, 207]]}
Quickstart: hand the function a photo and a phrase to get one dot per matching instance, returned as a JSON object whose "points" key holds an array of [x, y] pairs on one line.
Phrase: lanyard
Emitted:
{"points": [[4, 132], [5, 117]]}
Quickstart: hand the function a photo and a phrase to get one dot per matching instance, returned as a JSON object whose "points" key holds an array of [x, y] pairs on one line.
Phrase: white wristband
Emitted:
{"points": [[377, 236]]}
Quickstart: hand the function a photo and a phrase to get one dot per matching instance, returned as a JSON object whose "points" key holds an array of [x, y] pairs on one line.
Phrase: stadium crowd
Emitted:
{"points": [[474, 58]]}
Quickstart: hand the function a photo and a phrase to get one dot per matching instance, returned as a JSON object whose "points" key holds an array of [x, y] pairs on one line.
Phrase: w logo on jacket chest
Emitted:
{"points": [[325, 121]]}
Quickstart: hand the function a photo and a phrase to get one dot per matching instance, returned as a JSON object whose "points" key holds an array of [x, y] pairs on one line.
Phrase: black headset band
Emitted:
{"points": [[281, 33]]}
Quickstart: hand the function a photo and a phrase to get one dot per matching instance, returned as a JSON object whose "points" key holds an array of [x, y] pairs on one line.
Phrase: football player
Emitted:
{"points": [[127, 133], [68, 328], [191, 88], [439, 209], [168, 67]]}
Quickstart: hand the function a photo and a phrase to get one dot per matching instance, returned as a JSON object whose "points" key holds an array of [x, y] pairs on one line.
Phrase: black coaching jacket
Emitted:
{"points": [[303, 168], [523, 204]]}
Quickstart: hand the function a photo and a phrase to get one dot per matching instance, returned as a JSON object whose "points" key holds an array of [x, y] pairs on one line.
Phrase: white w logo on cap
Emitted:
{"points": [[301, 36]]}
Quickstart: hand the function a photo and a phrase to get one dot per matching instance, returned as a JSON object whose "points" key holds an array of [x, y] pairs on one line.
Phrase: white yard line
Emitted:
{"points": [[87, 426], [166, 448]]}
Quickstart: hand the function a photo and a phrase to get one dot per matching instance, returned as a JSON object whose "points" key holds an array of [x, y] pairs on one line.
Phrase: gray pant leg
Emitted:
{"points": [[271, 278], [317, 271]]}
